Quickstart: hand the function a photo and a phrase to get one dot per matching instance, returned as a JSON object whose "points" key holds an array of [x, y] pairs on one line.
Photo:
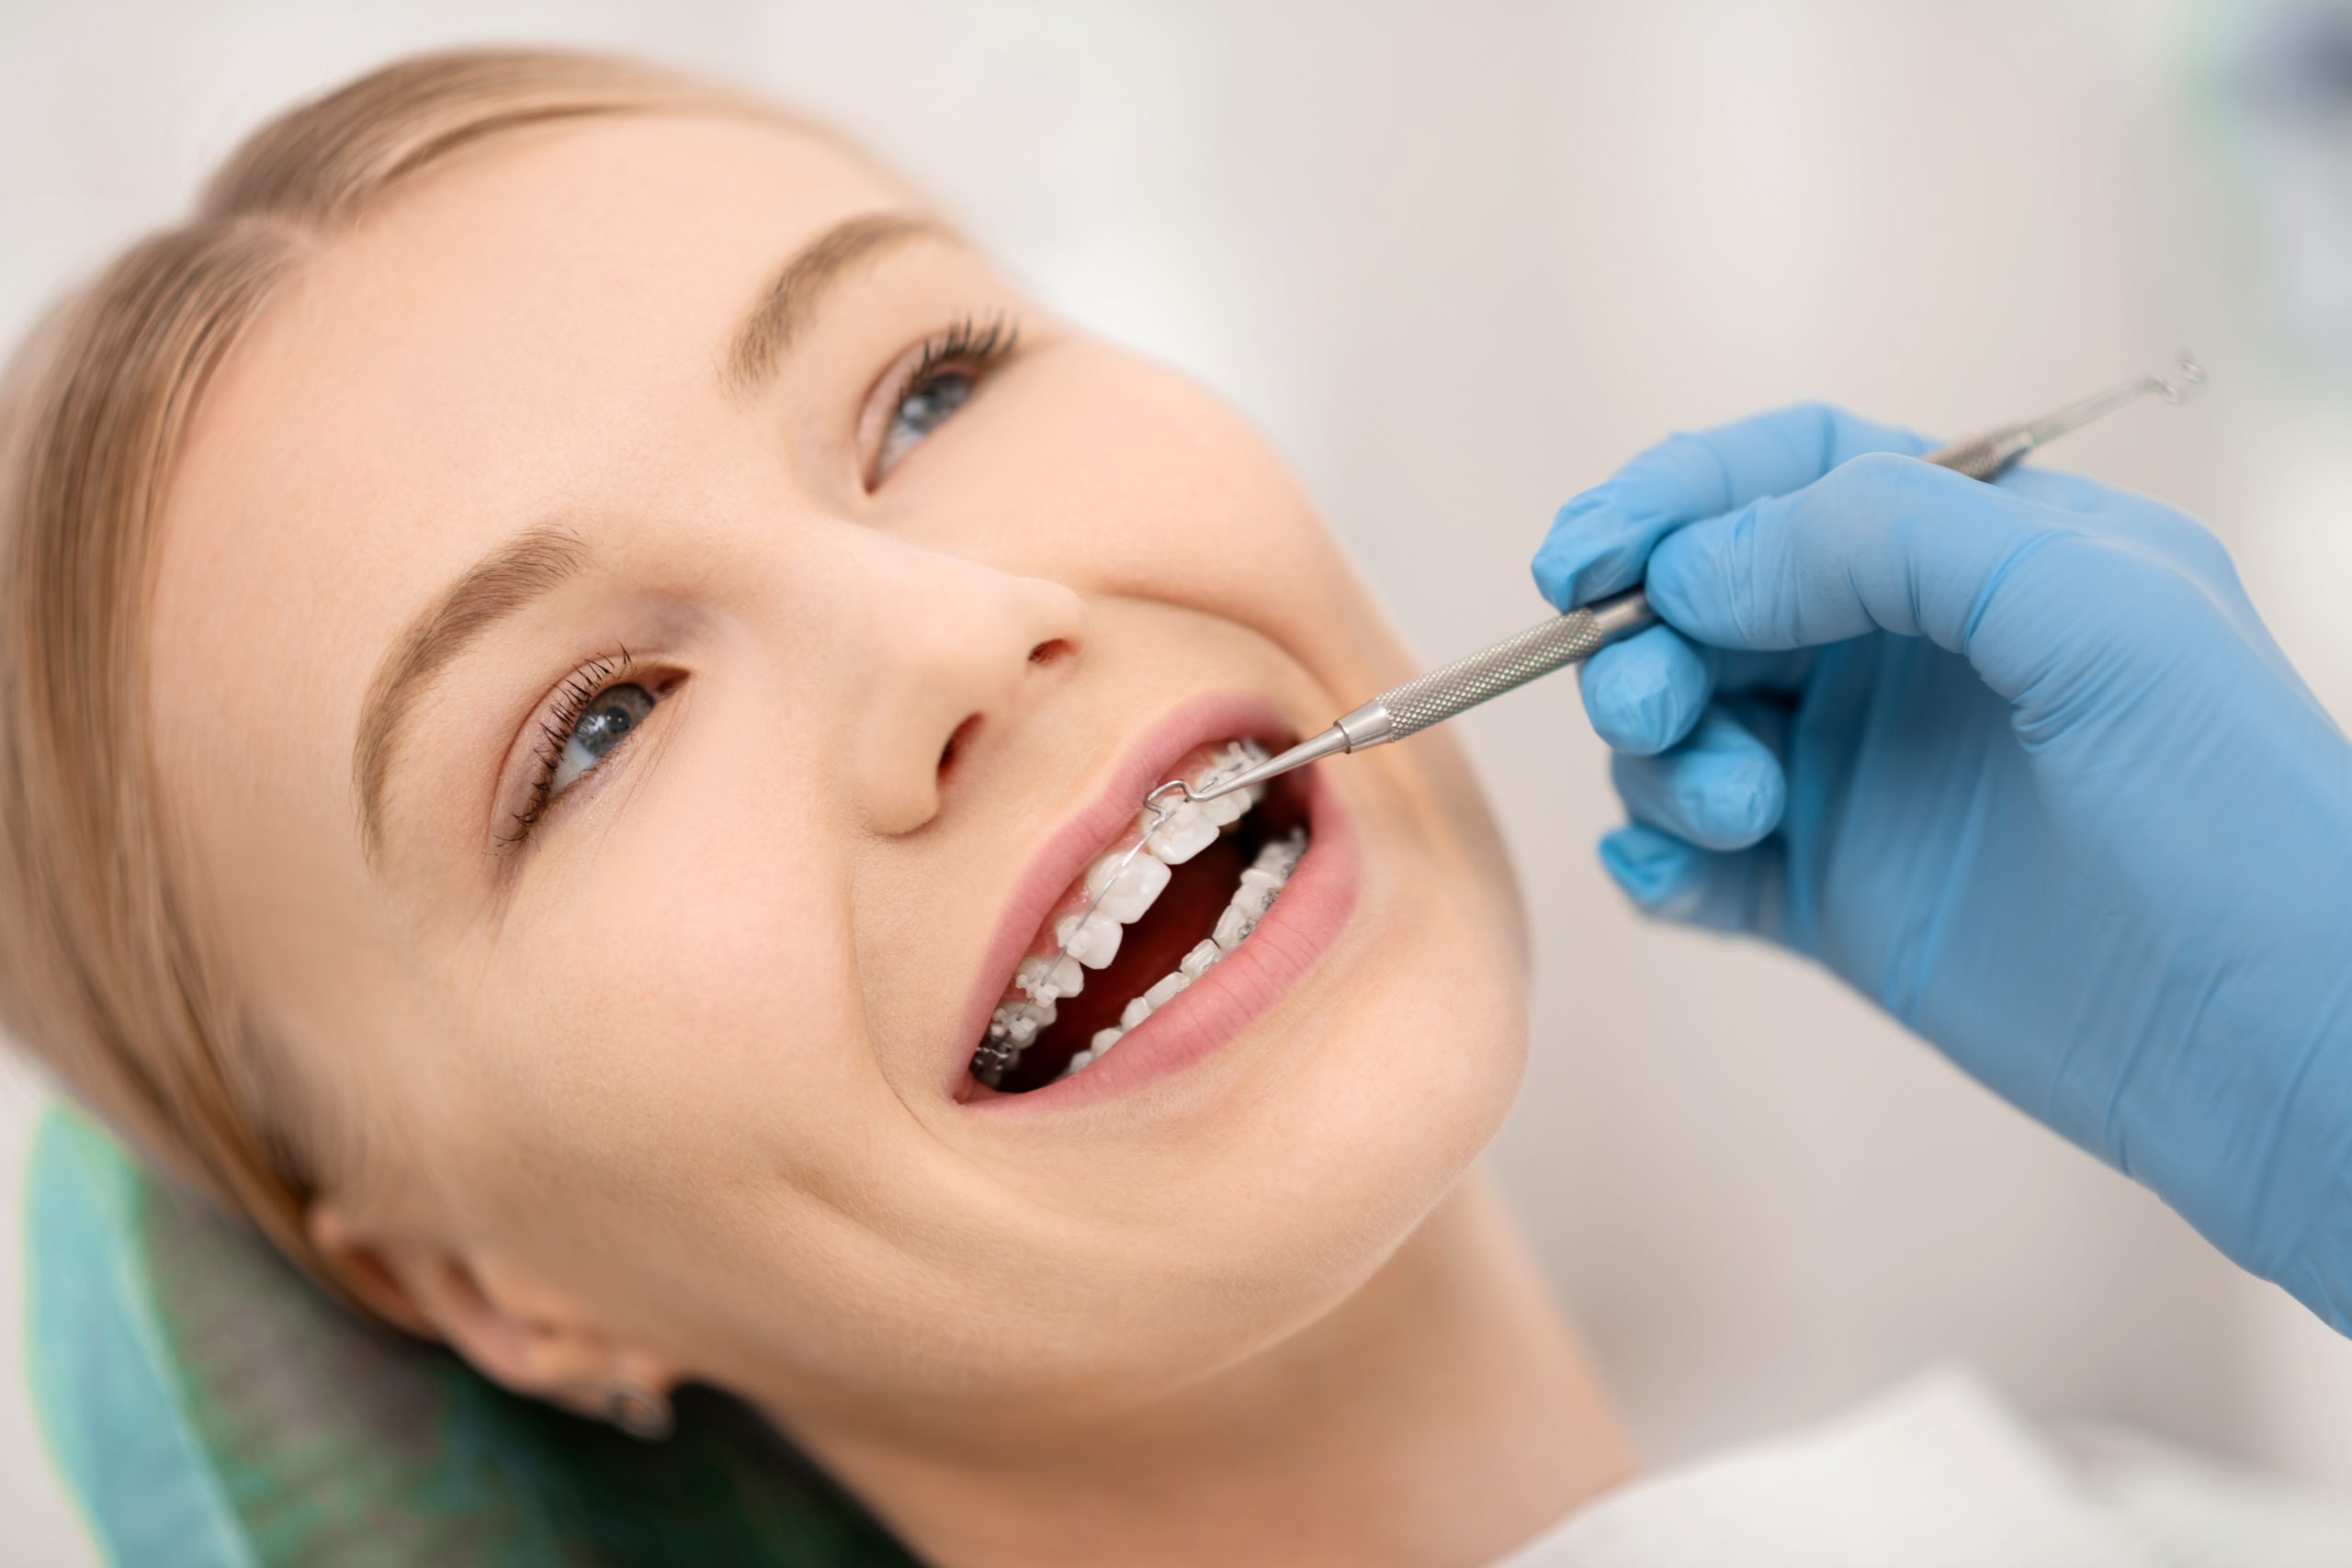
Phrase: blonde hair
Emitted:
{"points": [[102, 977]]}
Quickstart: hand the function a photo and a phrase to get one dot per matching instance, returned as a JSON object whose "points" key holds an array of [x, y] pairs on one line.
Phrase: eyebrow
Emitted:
{"points": [[535, 563], [801, 284], [502, 584]]}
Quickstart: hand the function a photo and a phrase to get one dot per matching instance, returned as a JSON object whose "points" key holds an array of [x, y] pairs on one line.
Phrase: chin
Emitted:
{"points": [[1324, 1169]]}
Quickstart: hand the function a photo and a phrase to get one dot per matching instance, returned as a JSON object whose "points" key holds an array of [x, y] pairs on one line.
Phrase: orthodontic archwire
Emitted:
{"points": [[997, 1052], [1160, 814]]}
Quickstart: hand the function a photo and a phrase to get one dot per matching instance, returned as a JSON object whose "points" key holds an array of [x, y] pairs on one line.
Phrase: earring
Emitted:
{"points": [[641, 1412]]}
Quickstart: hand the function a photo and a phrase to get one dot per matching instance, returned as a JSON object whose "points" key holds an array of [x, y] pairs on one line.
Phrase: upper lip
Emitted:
{"points": [[1070, 848]]}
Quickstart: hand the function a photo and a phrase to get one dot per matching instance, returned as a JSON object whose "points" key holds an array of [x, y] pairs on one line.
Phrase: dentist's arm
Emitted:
{"points": [[2018, 762]]}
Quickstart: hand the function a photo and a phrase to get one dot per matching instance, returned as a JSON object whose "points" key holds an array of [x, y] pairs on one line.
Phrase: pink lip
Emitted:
{"points": [[1313, 907]]}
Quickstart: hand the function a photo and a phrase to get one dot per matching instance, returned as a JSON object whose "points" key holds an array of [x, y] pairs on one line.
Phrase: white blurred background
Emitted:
{"points": [[1462, 260]]}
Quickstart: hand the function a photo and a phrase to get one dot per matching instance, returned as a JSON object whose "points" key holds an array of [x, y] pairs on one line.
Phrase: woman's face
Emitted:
{"points": [[627, 756]]}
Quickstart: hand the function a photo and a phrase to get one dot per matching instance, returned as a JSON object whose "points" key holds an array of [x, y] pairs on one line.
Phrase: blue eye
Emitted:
{"points": [[924, 408], [594, 711], [942, 374], [604, 721]]}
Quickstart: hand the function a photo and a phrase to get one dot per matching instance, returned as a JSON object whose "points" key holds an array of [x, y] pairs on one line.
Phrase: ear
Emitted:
{"points": [[360, 1268], [517, 1332]]}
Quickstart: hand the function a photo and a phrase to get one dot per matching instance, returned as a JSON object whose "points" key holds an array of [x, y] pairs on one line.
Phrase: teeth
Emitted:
{"points": [[1093, 940], [1192, 827], [1041, 984], [1126, 892], [1130, 892], [1122, 895], [1018, 1023], [1248, 906], [1227, 808], [1256, 894], [1181, 834], [1100, 1047], [1280, 857]]}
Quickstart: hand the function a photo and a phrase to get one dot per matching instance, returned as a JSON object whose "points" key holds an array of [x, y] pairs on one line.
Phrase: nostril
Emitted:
{"points": [[1046, 652], [958, 742]]}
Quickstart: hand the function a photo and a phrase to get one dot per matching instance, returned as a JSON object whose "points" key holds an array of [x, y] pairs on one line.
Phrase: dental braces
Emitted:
{"points": [[998, 1053]]}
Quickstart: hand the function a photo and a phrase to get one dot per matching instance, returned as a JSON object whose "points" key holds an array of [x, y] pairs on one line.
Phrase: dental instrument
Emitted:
{"points": [[1571, 638]]}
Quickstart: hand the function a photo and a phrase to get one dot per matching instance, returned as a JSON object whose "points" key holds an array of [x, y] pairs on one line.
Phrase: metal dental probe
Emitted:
{"points": [[1571, 638]]}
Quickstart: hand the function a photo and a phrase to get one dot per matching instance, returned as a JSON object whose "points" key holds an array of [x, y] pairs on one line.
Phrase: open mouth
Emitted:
{"points": [[1155, 911]]}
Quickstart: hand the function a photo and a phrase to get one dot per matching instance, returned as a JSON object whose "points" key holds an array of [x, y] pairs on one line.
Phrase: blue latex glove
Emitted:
{"points": [[2019, 763]]}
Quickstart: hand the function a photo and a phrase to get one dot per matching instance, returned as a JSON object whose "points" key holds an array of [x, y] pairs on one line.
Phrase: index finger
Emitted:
{"points": [[1600, 542]]}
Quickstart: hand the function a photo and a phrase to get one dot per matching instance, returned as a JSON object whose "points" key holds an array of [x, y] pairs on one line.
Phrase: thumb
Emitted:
{"points": [[1742, 892]]}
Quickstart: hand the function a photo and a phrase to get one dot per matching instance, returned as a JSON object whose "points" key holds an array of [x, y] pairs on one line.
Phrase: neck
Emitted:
{"points": [[1440, 1416]]}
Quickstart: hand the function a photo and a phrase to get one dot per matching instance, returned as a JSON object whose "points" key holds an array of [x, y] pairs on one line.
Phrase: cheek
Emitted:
{"points": [[1124, 479], [1204, 503], [675, 1108], [672, 1022]]}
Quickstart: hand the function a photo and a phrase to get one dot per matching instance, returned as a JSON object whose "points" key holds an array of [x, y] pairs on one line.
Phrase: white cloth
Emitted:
{"points": [[1938, 1473]]}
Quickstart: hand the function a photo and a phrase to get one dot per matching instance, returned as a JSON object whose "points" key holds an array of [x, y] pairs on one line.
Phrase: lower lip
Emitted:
{"points": [[1200, 1020]]}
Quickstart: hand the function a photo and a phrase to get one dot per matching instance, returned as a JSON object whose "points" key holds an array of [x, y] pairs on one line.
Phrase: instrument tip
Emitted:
{"points": [[1152, 802], [2183, 387]]}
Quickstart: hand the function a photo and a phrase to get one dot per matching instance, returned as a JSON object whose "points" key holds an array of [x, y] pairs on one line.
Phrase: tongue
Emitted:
{"points": [[1184, 913]]}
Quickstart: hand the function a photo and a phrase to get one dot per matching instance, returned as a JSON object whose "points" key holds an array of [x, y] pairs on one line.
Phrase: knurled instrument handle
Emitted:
{"points": [[1449, 689], [1984, 457]]}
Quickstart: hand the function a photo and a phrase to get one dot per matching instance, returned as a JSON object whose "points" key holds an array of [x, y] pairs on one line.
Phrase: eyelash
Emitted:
{"points": [[965, 342], [968, 343], [573, 696]]}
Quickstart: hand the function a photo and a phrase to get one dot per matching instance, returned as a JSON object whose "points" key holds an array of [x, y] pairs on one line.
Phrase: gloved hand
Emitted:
{"points": [[2019, 763]]}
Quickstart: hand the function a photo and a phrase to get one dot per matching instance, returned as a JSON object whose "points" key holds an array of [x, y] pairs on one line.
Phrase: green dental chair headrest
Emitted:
{"points": [[212, 1410]]}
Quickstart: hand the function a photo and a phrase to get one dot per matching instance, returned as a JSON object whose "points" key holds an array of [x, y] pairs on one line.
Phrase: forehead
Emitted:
{"points": [[511, 332]]}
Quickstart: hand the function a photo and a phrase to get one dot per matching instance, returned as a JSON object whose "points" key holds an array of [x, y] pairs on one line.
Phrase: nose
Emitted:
{"points": [[959, 652]]}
